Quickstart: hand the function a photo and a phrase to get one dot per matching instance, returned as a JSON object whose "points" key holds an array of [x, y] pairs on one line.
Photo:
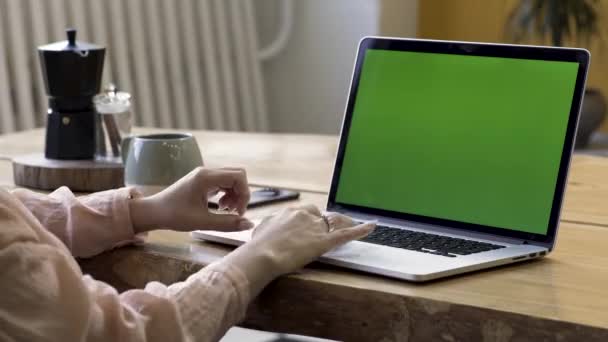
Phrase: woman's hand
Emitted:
{"points": [[183, 205], [287, 241], [297, 236]]}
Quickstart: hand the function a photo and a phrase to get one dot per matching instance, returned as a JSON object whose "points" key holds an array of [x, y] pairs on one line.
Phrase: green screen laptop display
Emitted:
{"points": [[464, 138]]}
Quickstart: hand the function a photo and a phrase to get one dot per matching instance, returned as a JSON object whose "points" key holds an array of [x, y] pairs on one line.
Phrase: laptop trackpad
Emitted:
{"points": [[383, 257]]}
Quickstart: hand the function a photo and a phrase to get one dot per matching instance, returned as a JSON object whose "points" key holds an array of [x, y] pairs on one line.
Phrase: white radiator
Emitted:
{"points": [[187, 63]]}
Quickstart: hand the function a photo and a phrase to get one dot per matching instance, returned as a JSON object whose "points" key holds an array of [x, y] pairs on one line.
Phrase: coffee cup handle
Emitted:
{"points": [[125, 145]]}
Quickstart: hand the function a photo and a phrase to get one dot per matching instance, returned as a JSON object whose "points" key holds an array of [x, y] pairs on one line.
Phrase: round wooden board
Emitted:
{"points": [[37, 172]]}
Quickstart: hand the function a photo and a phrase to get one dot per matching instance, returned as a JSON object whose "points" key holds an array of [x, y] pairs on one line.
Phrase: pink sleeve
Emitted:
{"points": [[87, 225], [45, 296], [202, 308]]}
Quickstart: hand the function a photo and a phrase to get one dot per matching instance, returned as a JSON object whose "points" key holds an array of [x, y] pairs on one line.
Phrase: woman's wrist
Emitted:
{"points": [[258, 265], [146, 214]]}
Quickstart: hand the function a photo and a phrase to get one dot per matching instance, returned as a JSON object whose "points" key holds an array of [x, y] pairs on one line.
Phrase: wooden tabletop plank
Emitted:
{"points": [[589, 170], [305, 162], [295, 161], [586, 197], [587, 204]]}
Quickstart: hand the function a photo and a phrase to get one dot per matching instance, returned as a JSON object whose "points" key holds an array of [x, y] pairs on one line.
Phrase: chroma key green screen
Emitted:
{"points": [[465, 138]]}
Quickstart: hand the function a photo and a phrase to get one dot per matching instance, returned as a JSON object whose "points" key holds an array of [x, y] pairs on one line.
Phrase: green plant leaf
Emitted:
{"points": [[554, 20]]}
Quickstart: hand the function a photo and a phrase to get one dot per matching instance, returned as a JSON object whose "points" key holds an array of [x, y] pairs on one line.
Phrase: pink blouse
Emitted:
{"points": [[45, 296]]}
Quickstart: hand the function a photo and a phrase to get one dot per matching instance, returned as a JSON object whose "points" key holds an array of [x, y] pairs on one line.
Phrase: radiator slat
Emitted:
{"points": [[100, 36], [210, 57], [58, 18], [7, 119], [247, 108], [21, 80], [119, 46], [143, 101], [226, 65], [187, 63], [78, 20], [261, 108], [192, 65], [39, 36], [159, 74], [173, 51]]}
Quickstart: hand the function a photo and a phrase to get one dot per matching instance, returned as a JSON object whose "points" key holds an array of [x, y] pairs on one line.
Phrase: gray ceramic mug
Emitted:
{"points": [[153, 162]]}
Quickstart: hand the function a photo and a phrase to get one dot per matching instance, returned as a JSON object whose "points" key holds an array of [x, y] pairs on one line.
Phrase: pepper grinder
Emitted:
{"points": [[72, 73]]}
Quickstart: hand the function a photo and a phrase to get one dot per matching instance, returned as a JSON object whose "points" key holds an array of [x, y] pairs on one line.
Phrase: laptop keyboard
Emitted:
{"points": [[427, 243]]}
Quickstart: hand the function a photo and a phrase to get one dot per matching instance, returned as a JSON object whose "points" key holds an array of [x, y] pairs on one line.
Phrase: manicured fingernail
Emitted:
{"points": [[245, 224], [370, 226]]}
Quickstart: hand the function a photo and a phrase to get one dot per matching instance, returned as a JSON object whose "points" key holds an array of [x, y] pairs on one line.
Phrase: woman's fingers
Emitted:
{"points": [[309, 208], [229, 200], [339, 221], [232, 181], [341, 236], [227, 222]]}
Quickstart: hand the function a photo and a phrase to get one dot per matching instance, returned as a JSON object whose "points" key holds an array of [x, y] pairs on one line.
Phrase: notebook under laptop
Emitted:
{"points": [[459, 150]]}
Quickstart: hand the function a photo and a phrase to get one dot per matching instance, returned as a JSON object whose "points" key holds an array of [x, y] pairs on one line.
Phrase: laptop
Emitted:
{"points": [[460, 151]]}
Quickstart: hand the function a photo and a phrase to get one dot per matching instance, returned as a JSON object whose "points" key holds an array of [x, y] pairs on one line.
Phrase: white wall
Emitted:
{"points": [[306, 85]]}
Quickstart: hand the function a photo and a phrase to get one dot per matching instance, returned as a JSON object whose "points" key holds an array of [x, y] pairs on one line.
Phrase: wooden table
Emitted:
{"points": [[560, 298]]}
